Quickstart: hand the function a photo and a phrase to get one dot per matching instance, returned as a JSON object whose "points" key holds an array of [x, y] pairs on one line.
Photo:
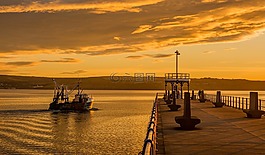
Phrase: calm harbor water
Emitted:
{"points": [[118, 127]]}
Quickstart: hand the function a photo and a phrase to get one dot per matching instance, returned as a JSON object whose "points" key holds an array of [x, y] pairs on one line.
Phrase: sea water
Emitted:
{"points": [[117, 127]]}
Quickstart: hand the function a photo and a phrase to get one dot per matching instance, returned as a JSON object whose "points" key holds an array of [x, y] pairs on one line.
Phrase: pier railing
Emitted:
{"points": [[177, 76], [149, 147], [236, 102]]}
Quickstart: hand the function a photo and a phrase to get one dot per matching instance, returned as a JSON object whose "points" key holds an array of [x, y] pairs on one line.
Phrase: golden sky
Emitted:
{"points": [[81, 38]]}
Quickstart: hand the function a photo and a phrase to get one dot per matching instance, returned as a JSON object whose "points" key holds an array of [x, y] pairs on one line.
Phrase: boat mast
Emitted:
{"points": [[66, 93], [78, 87], [62, 93], [55, 89]]}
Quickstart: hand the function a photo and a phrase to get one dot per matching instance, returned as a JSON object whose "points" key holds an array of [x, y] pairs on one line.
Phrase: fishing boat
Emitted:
{"points": [[61, 102]]}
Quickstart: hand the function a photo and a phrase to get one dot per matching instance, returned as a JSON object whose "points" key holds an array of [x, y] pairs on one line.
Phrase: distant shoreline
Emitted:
{"points": [[106, 83], [142, 89]]}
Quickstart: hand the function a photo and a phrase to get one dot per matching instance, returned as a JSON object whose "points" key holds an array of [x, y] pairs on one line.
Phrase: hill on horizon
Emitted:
{"points": [[126, 83]]}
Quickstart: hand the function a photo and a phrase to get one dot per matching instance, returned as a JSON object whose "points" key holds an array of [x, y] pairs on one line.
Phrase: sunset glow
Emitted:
{"points": [[68, 38]]}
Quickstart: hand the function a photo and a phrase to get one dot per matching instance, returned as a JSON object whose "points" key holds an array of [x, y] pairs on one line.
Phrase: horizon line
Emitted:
{"points": [[99, 76]]}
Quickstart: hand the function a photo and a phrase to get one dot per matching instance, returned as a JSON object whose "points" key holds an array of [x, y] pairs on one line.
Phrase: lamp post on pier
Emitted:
{"points": [[177, 54], [176, 88]]}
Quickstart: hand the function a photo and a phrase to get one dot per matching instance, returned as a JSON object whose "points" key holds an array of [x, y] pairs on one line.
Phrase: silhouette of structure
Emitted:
{"points": [[175, 79], [218, 103], [193, 96], [187, 122], [253, 111], [201, 96]]}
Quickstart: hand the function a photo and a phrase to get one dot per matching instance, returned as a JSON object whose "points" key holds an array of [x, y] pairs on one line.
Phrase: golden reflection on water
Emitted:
{"points": [[118, 127]]}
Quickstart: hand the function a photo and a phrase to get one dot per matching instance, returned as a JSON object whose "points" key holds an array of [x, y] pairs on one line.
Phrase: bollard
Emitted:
{"points": [[187, 110], [193, 96], [168, 100], [174, 96], [174, 106], [187, 122], [218, 103], [253, 111], [201, 96]]}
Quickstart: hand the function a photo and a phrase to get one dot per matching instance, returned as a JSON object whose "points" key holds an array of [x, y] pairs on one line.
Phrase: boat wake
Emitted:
{"points": [[24, 111], [94, 109]]}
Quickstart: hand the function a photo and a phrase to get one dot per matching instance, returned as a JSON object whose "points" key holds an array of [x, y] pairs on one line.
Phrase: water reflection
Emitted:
{"points": [[119, 126], [70, 132]]}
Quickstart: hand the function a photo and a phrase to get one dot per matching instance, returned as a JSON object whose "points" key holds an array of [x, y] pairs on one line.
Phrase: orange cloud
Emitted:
{"points": [[134, 57], [117, 38], [73, 29], [155, 56], [63, 60], [142, 29], [94, 6], [20, 63], [212, 1], [229, 22], [159, 55]]}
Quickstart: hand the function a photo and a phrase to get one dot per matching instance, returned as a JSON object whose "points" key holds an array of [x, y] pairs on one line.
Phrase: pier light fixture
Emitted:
{"points": [[177, 54]]}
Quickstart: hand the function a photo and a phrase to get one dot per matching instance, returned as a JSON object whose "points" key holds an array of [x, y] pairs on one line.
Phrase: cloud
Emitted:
{"points": [[134, 57], [103, 50], [6, 71], [63, 60], [160, 55], [18, 64], [75, 72], [131, 26], [21, 63], [117, 38], [94, 6], [155, 56], [214, 1], [5, 57], [142, 28], [226, 22]]}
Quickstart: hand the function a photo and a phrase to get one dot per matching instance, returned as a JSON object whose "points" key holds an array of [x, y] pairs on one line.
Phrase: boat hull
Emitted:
{"points": [[71, 106]]}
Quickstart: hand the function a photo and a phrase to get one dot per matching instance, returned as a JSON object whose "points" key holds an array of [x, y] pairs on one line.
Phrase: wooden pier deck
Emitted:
{"points": [[222, 131]]}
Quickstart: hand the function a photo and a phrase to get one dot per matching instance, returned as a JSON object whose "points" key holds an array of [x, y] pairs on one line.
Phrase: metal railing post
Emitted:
{"points": [[230, 102], [236, 103], [233, 101], [149, 147], [246, 103], [239, 103], [260, 104]]}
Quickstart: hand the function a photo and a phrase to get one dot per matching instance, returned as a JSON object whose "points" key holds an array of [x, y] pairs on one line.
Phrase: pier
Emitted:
{"points": [[225, 130], [206, 124]]}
